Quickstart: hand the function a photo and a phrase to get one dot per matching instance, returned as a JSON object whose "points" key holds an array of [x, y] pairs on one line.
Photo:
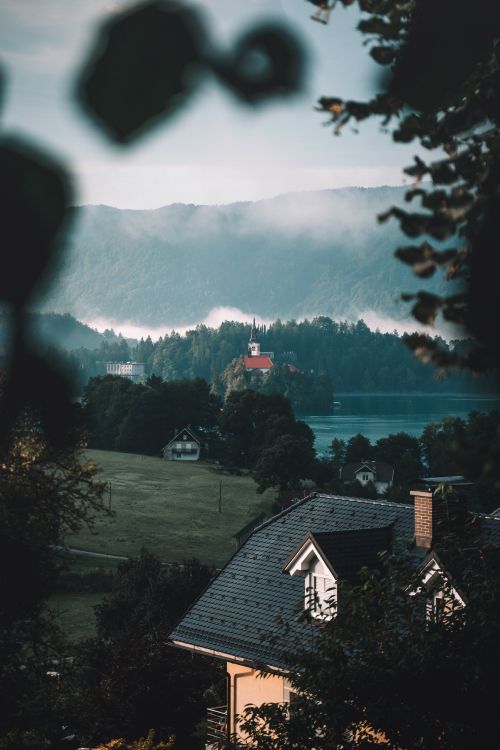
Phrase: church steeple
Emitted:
{"points": [[253, 345], [253, 332]]}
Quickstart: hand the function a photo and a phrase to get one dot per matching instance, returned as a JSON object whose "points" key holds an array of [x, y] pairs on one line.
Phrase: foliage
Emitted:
{"points": [[380, 673], [145, 743], [469, 447], [332, 356], [139, 418], [44, 492], [260, 432], [127, 680], [441, 87]]}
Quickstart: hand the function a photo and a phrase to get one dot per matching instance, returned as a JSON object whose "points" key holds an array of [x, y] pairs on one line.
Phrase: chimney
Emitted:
{"points": [[423, 518]]}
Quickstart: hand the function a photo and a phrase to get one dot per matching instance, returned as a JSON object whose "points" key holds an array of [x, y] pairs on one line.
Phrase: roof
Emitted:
{"points": [[247, 529], [383, 472], [349, 551], [258, 362], [241, 605], [178, 434]]}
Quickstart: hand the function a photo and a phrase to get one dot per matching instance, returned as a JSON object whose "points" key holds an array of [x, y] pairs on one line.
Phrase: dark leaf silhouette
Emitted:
{"points": [[143, 67], [445, 43], [35, 383], [267, 61], [34, 195]]}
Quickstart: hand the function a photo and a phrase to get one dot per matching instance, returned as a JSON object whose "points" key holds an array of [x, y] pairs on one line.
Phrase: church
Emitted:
{"points": [[255, 360]]}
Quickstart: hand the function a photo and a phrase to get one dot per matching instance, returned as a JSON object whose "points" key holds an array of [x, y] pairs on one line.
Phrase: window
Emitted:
{"points": [[321, 593]]}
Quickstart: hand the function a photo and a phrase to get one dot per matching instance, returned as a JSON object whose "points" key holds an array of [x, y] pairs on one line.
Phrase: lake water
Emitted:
{"points": [[378, 415]]}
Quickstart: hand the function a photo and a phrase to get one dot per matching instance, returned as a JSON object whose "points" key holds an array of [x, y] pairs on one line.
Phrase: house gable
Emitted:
{"points": [[320, 580]]}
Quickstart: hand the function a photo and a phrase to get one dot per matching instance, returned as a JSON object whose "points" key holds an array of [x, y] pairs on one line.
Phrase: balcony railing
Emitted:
{"points": [[216, 725]]}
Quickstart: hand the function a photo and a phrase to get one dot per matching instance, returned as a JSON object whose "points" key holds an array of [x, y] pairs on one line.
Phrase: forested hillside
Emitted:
{"points": [[297, 255], [354, 357], [348, 355]]}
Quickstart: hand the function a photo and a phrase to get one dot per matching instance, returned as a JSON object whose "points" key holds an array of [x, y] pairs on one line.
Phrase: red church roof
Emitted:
{"points": [[260, 362]]}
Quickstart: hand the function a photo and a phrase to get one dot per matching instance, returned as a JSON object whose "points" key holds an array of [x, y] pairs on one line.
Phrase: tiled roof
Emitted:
{"points": [[180, 433], [259, 362], [383, 472], [349, 551], [241, 606]]}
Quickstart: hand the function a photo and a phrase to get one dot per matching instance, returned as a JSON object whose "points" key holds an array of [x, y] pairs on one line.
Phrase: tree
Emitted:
{"points": [[45, 491], [127, 680], [284, 462], [358, 448], [338, 451], [403, 453], [441, 87]]}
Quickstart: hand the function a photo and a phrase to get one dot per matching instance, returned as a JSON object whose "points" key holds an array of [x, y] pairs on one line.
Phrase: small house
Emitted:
{"points": [[184, 446], [378, 472]]}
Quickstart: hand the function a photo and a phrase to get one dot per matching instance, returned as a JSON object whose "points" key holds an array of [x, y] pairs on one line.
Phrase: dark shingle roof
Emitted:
{"points": [[383, 472], [349, 551], [241, 606]]}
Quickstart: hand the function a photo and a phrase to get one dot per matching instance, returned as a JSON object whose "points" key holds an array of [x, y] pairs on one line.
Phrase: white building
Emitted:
{"points": [[132, 370]]}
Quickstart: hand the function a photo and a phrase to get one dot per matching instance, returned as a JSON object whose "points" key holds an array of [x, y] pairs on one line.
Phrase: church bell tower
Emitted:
{"points": [[253, 344]]}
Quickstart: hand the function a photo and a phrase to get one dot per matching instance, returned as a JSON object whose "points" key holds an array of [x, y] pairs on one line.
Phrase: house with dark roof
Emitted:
{"points": [[295, 562], [378, 472], [184, 446]]}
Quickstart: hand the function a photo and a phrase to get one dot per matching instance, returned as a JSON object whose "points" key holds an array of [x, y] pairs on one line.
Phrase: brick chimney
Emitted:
{"points": [[423, 515]]}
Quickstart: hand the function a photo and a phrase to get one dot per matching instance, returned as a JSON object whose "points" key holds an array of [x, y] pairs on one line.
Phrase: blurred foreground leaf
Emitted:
{"points": [[35, 193], [142, 67], [267, 61]]}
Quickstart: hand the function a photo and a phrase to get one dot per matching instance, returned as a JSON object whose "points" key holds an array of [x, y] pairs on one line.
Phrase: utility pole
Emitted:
{"points": [[109, 501], [220, 496]]}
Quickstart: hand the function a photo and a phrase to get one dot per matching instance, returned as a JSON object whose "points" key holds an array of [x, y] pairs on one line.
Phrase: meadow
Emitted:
{"points": [[169, 508]]}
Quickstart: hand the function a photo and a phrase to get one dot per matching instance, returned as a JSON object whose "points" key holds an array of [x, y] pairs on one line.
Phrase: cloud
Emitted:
{"points": [[214, 319], [219, 315], [137, 185]]}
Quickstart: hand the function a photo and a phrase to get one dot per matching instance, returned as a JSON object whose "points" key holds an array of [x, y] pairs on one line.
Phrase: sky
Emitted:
{"points": [[215, 150]]}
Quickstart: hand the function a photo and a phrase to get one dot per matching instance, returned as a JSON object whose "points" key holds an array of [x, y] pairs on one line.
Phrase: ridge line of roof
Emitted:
{"points": [[384, 503], [387, 503]]}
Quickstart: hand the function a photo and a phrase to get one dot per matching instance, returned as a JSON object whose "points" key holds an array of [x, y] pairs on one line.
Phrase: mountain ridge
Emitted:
{"points": [[295, 255]]}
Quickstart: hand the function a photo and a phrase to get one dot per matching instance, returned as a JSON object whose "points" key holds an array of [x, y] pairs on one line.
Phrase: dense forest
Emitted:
{"points": [[354, 357], [348, 355]]}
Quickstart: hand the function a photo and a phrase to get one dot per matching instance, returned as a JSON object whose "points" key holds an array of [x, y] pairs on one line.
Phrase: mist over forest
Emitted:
{"points": [[294, 256]]}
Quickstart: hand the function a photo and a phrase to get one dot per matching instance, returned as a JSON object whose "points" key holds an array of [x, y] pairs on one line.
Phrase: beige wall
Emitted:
{"points": [[249, 687]]}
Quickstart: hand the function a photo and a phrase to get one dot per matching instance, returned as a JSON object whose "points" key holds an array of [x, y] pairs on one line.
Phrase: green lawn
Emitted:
{"points": [[170, 508]]}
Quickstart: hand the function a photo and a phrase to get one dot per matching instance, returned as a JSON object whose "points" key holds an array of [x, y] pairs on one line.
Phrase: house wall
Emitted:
{"points": [[249, 687], [184, 456], [365, 476]]}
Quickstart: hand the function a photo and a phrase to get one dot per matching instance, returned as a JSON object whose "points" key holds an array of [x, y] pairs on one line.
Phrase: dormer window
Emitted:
{"points": [[320, 583], [442, 597], [321, 596], [325, 558]]}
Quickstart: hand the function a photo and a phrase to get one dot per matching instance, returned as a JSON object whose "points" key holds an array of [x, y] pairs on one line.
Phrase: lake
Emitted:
{"points": [[377, 415]]}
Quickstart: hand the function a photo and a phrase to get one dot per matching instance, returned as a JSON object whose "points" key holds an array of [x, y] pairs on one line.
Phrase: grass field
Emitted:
{"points": [[170, 508]]}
